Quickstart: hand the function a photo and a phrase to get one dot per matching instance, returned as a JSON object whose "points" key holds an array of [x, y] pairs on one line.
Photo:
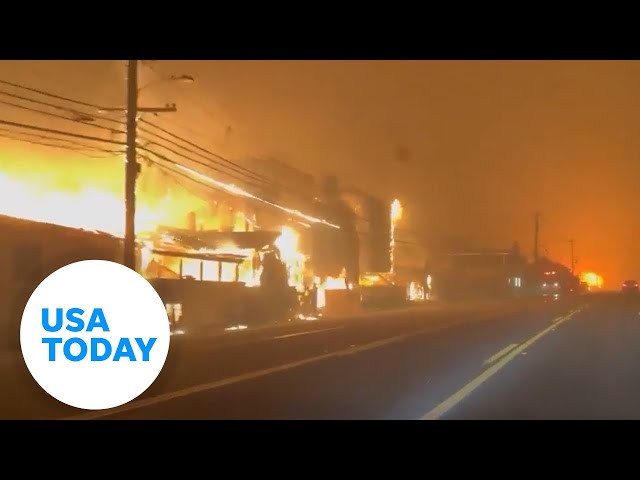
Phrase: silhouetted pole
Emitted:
{"points": [[573, 263], [535, 237], [131, 166]]}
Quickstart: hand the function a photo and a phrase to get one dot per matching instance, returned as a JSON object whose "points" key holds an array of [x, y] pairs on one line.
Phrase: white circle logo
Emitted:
{"points": [[95, 334]]}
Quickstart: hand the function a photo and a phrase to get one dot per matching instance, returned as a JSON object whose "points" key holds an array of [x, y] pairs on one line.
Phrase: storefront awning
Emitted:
{"points": [[213, 240]]}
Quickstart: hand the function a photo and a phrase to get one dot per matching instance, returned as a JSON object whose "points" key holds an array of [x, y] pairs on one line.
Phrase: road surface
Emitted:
{"points": [[556, 360]]}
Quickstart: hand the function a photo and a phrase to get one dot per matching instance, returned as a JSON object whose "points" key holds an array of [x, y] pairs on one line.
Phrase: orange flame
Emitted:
{"points": [[396, 215], [89, 194], [593, 280]]}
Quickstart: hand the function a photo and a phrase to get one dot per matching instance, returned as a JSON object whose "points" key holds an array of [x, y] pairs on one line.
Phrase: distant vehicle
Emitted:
{"points": [[630, 286], [551, 285]]}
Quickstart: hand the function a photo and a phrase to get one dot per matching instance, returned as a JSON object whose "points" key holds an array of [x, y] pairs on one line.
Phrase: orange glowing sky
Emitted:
{"points": [[485, 144]]}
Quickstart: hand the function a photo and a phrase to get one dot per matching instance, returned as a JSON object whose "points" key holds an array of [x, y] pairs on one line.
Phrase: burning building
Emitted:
{"points": [[203, 248], [373, 226], [391, 257], [30, 251], [408, 264]]}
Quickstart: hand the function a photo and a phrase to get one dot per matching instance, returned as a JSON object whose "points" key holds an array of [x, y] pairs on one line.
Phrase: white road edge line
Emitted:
{"points": [[500, 354], [136, 405], [165, 397], [308, 332], [556, 320], [465, 391]]}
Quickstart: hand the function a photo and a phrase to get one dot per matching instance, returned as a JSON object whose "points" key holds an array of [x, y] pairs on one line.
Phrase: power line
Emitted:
{"points": [[93, 114], [190, 178], [60, 132], [40, 102], [171, 176], [231, 189], [208, 185], [65, 140], [197, 105], [50, 114], [208, 165], [48, 137], [61, 147], [177, 137], [239, 168], [236, 167], [198, 162], [191, 132], [171, 142], [182, 174], [244, 170], [87, 137], [52, 95]]}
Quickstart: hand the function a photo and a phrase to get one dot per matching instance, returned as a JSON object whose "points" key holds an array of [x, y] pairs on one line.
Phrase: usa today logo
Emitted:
{"points": [[94, 335]]}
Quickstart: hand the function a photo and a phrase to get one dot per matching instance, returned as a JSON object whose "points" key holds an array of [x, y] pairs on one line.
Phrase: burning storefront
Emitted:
{"points": [[214, 240], [251, 261], [205, 277]]}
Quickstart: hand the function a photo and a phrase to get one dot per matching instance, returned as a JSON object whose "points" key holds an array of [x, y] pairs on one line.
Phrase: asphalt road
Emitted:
{"points": [[588, 368], [572, 359]]}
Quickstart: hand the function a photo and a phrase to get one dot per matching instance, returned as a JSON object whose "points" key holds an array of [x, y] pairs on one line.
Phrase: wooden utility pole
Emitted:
{"points": [[131, 166]]}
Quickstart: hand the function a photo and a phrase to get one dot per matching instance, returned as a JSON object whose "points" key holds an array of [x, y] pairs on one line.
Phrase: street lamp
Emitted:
{"points": [[182, 78], [168, 108]]}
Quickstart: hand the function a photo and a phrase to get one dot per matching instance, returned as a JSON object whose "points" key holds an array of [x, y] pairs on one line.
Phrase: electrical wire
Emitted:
{"points": [[166, 159], [182, 174], [233, 166], [227, 187], [171, 142], [59, 132], [78, 150], [238, 168], [65, 140], [50, 114], [111, 130], [94, 114], [200, 162], [220, 157], [91, 138], [52, 95], [232, 189]]}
